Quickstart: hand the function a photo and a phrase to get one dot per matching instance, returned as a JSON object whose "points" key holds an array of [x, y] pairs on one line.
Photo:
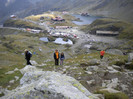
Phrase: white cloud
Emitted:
{"points": [[9, 2]]}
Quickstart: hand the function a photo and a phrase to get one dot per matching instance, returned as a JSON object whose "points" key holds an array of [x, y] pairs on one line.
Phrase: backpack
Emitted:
{"points": [[30, 53]]}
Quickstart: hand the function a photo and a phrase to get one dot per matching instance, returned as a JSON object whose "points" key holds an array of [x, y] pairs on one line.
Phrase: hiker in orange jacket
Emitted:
{"points": [[102, 54], [56, 57]]}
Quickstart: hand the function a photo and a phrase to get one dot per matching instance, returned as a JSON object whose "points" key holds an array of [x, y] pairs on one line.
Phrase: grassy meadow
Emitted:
{"points": [[12, 48]]}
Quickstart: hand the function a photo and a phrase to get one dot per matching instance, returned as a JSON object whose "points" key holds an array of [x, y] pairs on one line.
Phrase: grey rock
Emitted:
{"points": [[8, 86], [90, 57], [98, 47], [33, 62], [3, 90], [124, 87], [114, 51], [90, 82], [112, 70], [16, 69], [87, 46], [116, 67], [38, 84], [16, 77], [94, 62], [92, 68], [110, 90], [130, 57], [111, 83], [88, 72], [9, 72], [12, 81]]}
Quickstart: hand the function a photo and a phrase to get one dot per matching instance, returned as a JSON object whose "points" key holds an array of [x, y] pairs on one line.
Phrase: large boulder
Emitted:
{"points": [[113, 83], [94, 62], [38, 84], [99, 46], [130, 57], [114, 51]]}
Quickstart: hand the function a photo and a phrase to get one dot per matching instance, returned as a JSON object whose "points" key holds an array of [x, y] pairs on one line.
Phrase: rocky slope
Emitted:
{"points": [[108, 76], [37, 84]]}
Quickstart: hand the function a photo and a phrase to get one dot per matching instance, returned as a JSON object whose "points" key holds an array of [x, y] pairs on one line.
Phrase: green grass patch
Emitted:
{"points": [[132, 82], [8, 62], [116, 59], [20, 24], [125, 29], [51, 38], [103, 21], [120, 63], [2, 94], [5, 78], [83, 59], [108, 95], [11, 54], [88, 64], [129, 66]]}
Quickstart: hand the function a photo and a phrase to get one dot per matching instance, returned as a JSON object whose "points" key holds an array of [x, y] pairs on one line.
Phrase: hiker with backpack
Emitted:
{"points": [[56, 57], [62, 57], [28, 56]]}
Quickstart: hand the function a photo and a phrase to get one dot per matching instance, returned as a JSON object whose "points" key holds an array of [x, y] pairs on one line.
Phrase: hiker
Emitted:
{"points": [[62, 57], [102, 54], [56, 57], [28, 55]]}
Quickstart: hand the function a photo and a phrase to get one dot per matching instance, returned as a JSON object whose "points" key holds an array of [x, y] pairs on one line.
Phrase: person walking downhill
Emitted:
{"points": [[102, 54], [56, 57], [28, 56], [62, 57]]}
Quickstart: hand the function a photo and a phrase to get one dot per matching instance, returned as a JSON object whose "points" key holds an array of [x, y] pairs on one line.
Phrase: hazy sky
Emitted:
{"points": [[9, 2]]}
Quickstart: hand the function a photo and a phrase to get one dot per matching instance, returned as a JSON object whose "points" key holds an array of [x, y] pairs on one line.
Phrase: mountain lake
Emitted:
{"points": [[84, 20]]}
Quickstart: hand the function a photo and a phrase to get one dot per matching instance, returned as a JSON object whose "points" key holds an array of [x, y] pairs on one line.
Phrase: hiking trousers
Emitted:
{"points": [[61, 62], [56, 61], [101, 56], [28, 62]]}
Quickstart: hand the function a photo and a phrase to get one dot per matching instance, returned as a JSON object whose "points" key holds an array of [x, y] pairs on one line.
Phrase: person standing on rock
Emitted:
{"points": [[62, 57], [28, 56], [102, 54], [56, 57]]}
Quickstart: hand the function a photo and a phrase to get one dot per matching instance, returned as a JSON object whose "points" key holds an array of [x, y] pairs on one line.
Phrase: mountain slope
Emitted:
{"points": [[8, 8], [111, 8], [122, 9]]}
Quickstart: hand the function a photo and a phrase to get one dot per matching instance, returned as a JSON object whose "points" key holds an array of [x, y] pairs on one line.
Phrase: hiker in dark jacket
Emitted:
{"points": [[56, 57], [28, 55], [62, 57]]}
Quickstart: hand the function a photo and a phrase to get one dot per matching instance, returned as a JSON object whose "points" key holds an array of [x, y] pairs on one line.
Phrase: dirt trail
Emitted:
{"points": [[82, 39]]}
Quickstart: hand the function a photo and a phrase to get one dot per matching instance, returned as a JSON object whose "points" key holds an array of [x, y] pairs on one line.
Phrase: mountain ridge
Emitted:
{"points": [[121, 9]]}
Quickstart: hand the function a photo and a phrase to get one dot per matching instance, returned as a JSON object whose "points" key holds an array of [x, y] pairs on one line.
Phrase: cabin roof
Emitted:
{"points": [[107, 32]]}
